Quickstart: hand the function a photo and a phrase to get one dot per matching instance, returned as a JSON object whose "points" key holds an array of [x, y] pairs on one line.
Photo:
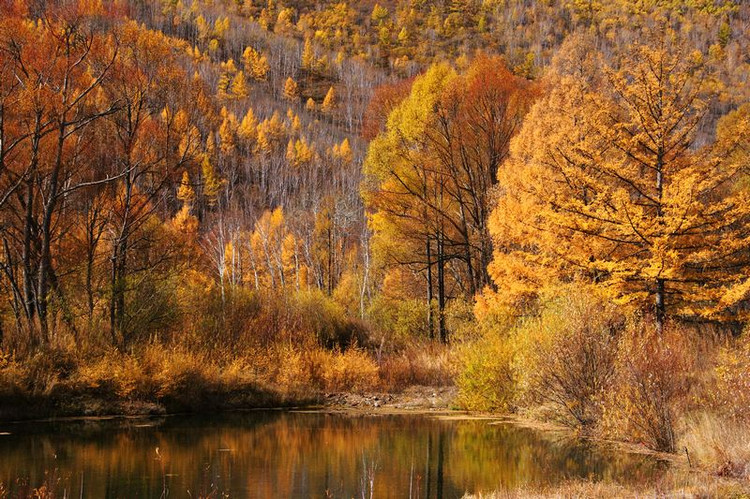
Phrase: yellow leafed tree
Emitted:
{"points": [[248, 129], [329, 103], [291, 89], [308, 55], [607, 183], [256, 64], [226, 133], [211, 181], [240, 89], [186, 193]]}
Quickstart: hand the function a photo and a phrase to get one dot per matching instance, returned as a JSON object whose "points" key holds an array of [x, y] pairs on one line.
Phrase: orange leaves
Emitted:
{"points": [[186, 193], [299, 152], [271, 133], [330, 101], [343, 151], [256, 64], [606, 181], [275, 253], [291, 89], [432, 171], [384, 99]]}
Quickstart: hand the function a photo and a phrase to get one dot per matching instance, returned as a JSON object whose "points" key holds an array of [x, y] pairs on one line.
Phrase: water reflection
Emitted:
{"points": [[288, 454]]}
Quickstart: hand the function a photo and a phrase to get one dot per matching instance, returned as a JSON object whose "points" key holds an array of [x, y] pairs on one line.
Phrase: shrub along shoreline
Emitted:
{"points": [[157, 380], [581, 362], [575, 360]]}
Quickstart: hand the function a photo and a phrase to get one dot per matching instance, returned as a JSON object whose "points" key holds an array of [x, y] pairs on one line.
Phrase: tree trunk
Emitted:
{"points": [[430, 320], [441, 288], [659, 305], [119, 267], [45, 260]]}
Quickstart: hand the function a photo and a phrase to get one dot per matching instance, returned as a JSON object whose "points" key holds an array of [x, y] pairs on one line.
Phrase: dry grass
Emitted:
{"points": [[678, 484], [651, 387], [720, 445], [153, 378], [164, 378], [422, 365]]}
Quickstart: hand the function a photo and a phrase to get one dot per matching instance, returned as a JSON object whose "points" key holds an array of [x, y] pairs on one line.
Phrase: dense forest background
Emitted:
{"points": [[351, 196]]}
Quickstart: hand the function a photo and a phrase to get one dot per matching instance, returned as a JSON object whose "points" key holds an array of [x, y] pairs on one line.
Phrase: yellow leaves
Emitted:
{"points": [[299, 152], [184, 222], [734, 294], [224, 86], [403, 36], [271, 134], [733, 139], [296, 124], [343, 151], [204, 29], [256, 65], [226, 134], [291, 89], [239, 87], [323, 64], [587, 192], [221, 27], [414, 114], [284, 21], [308, 55], [329, 103], [212, 183], [379, 14], [274, 253], [248, 129], [185, 192]]}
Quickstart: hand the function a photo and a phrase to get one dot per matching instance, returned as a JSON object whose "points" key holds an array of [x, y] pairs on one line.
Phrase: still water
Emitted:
{"points": [[298, 454]]}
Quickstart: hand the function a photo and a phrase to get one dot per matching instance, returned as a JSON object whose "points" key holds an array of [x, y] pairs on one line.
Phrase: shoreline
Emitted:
{"points": [[681, 478], [70, 407], [417, 400]]}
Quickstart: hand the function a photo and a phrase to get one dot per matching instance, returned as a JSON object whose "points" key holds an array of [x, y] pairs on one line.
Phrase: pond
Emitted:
{"points": [[275, 454]]}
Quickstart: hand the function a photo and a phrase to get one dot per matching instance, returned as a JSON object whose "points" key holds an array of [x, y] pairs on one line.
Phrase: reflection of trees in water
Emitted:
{"points": [[367, 477], [302, 455]]}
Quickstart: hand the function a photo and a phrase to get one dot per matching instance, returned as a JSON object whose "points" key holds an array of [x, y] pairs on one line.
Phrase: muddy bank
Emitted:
{"points": [[56, 405], [65, 404], [422, 398]]}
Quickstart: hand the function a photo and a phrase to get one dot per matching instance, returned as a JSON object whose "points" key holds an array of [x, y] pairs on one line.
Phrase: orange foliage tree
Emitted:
{"points": [[431, 172], [609, 182]]}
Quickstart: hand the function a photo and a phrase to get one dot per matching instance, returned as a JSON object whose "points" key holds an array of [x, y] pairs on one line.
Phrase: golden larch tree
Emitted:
{"points": [[608, 183], [291, 89], [329, 103]]}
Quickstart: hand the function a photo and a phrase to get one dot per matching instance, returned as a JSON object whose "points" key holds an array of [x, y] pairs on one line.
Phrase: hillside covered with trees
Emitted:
{"points": [[239, 203]]}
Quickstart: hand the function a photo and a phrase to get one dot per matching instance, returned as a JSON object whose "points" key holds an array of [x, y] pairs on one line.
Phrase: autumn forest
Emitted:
{"points": [[217, 204]]}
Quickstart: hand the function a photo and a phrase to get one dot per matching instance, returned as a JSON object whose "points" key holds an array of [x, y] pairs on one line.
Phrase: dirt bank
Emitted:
{"points": [[421, 398]]}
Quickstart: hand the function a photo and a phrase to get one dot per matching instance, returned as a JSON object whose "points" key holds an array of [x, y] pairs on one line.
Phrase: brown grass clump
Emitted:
{"points": [[424, 365], [676, 483], [718, 436], [568, 360], [730, 391], [12, 374], [651, 387], [720, 445], [352, 370]]}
